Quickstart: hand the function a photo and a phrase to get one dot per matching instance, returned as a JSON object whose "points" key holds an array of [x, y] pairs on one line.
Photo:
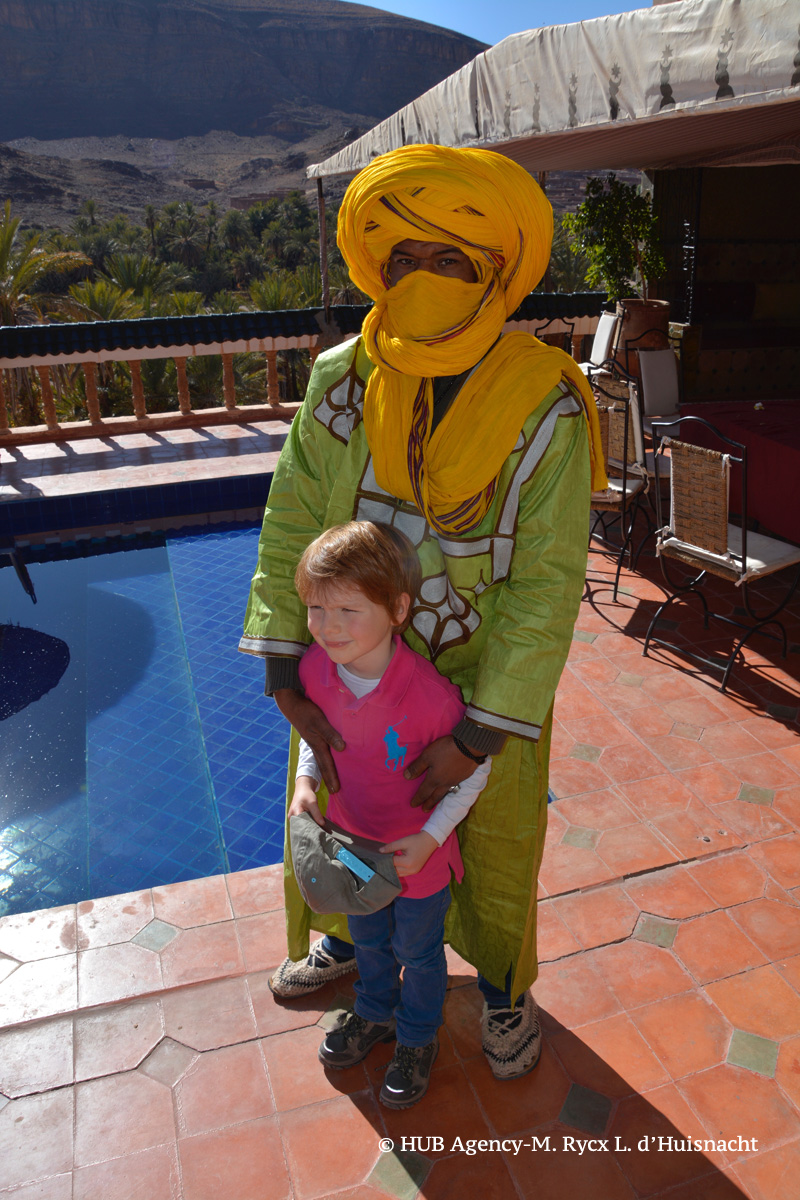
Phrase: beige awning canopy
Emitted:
{"points": [[693, 83]]}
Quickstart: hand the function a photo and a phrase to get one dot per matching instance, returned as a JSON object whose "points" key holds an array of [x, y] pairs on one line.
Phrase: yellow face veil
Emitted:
{"points": [[490, 208]]}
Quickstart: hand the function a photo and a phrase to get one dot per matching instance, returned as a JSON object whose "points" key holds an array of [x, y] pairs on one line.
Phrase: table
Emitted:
{"points": [[772, 437]]}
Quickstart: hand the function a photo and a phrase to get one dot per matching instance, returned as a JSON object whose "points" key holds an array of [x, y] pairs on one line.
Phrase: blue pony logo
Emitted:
{"points": [[395, 753]]}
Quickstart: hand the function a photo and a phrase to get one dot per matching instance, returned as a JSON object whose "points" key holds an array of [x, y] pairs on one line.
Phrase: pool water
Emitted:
{"points": [[154, 757]]}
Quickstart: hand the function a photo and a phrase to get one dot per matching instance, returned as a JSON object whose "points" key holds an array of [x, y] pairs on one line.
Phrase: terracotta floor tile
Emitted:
{"points": [[210, 1015], [790, 970], [597, 670], [696, 832], [116, 1039], [119, 1115], [200, 955], [758, 1001], [36, 1058], [42, 934], [572, 993], [719, 1185], [297, 1077], [712, 783], [774, 927], [765, 770], [787, 803], [553, 939], [670, 687], [576, 704], [640, 973], [662, 1112], [564, 1172], [669, 892], [610, 1057], [618, 697], [344, 1134], [257, 891], [781, 858], [193, 902], [774, 733], [152, 1173], [557, 825], [517, 1104], [223, 1087], [685, 1032], [657, 797], [39, 989], [649, 721], [751, 822], [730, 741], [55, 1187], [462, 1016], [602, 915], [239, 1162], [729, 879], [363, 1192], [450, 1109], [679, 753], [263, 940], [787, 1072], [459, 971], [772, 1175], [597, 810], [791, 756], [625, 763], [113, 973], [604, 730], [571, 777], [733, 1101], [713, 947], [485, 1175], [634, 848], [565, 868], [695, 710], [36, 1137], [560, 742], [112, 919]]}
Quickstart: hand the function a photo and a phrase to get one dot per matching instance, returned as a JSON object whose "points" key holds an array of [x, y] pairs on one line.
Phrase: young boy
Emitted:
{"points": [[359, 581]]}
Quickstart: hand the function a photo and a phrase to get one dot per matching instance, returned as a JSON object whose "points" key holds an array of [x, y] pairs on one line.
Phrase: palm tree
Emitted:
{"points": [[274, 292], [309, 283], [139, 273]]}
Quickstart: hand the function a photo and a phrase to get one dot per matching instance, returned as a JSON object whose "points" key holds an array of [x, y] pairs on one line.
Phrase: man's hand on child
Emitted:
{"points": [[305, 800], [411, 853], [312, 725], [445, 766]]}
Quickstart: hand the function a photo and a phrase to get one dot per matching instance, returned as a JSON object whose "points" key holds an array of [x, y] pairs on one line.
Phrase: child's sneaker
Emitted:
{"points": [[408, 1075], [294, 979], [512, 1039], [351, 1040]]}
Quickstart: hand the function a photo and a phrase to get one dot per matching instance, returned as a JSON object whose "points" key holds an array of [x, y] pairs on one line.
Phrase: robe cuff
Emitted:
{"points": [[478, 737], [282, 673]]}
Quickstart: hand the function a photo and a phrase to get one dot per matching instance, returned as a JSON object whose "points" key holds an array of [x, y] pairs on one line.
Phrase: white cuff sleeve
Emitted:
{"points": [[453, 807]]}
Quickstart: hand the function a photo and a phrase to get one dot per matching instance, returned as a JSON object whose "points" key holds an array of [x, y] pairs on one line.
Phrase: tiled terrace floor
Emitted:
{"points": [[143, 1056]]}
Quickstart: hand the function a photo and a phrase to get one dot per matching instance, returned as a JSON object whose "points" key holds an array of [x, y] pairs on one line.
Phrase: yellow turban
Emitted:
{"points": [[428, 325]]}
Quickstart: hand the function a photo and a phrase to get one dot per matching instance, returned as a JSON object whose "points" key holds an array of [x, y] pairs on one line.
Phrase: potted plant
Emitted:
{"points": [[615, 228]]}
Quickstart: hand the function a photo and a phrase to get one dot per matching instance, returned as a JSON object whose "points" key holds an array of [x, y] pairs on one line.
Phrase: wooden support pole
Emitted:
{"points": [[139, 406], [48, 403], [273, 385], [3, 408], [228, 383], [314, 353], [323, 251], [92, 403], [184, 399]]}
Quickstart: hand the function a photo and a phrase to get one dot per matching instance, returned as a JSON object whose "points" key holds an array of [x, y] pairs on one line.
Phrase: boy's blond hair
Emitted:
{"points": [[376, 558]]}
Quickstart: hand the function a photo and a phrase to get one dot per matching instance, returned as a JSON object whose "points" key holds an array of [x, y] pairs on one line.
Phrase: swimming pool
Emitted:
{"points": [[154, 757]]}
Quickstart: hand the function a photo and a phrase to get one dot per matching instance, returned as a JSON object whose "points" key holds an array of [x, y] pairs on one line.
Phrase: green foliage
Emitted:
{"points": [[615, 228]]}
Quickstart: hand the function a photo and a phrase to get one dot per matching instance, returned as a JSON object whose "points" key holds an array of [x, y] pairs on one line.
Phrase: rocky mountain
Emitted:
{"points": [[172, 69]]}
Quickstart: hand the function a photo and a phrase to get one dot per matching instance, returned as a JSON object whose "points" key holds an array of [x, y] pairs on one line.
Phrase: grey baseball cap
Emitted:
{"points": [[338, 872]]}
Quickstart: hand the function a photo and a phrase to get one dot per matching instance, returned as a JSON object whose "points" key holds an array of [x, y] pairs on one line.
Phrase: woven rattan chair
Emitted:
{"points": [[701, 536], [618, 504]]}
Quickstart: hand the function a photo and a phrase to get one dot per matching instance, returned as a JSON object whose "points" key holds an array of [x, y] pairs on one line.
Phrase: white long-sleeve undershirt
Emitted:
{"points": [[450, 810]]}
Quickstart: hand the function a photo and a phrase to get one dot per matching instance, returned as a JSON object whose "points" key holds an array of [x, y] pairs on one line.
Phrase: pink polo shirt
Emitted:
{"points": [[384, 732]]}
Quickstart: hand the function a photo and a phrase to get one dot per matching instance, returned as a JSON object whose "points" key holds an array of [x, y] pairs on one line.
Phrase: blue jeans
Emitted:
{"points": [[494, 996], [408, 933]]}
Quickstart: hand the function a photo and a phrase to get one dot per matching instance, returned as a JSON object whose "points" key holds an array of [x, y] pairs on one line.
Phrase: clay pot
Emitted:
{"points": [[645, 323]]}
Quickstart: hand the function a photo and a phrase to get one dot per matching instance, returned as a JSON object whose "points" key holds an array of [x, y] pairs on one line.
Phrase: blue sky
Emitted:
{"points": [[492, 20]]}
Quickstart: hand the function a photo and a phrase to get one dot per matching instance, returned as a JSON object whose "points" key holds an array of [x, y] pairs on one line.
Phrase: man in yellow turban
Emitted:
{"points": [[481, 446]]}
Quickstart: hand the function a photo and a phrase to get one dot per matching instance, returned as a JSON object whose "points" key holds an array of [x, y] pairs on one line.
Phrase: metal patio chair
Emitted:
{"points": [[623, 451], [603, 344], [700, 535]]}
